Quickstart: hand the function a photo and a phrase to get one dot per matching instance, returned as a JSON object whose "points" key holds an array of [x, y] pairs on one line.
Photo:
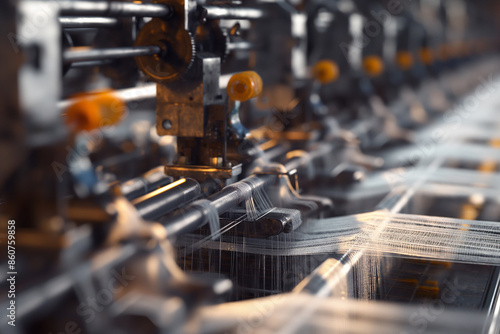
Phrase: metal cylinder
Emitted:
{"points": [[240, 46], [329, 279], [146, 183], [91, 63], [194, 217], [128, 95], [78, 54], [166, 199], [105, 8], [88, 22], [231, 13]]}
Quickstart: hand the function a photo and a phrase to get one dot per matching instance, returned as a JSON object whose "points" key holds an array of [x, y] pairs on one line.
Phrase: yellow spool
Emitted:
{"points": [[244, 86], [325, 71], [373, 65], [404, 59], [94, 110]]}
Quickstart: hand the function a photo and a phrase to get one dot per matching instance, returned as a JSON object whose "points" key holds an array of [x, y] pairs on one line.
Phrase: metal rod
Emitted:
{"points": [[88, 22], [141, 93], [104, 8], [240, 46], [167, 198], [231, 13], [91, 63], [86, 54], [146, 183], [193, 217]]}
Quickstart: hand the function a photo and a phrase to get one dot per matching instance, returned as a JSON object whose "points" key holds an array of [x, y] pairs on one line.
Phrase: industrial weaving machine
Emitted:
{"points": [[250, 166]]}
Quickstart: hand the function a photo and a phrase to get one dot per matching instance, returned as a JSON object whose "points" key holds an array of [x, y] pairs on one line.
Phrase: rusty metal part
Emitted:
{"points": [[212, 39], [203, 173], [180, 107], [171, 36]]}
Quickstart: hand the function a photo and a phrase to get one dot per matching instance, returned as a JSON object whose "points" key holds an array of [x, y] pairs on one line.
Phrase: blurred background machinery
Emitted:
{"points": [[206, 166]]}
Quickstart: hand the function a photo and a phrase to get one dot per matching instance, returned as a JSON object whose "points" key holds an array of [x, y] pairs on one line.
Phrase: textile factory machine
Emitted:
{"points": [[241, 166]]}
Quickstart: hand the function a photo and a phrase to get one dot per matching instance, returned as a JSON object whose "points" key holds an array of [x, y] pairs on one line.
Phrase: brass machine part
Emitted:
{"points": [[177, 44]]}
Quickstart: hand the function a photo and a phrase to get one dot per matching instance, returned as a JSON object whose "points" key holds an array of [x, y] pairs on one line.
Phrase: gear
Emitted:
{"points": [[212, 39], [178, 51]]}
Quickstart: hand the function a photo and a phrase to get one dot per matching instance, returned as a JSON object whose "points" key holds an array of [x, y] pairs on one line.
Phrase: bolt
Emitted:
{"points": [[167, 125]]}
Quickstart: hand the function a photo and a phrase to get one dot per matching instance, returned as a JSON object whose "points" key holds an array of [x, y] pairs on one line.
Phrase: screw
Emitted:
{"points": [[167, 125]]}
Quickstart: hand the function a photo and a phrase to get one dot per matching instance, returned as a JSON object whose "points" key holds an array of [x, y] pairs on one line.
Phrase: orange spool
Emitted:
{"points": [[94, 110], [244, 86], [373, 65], [404, 60], [325, 71]]}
